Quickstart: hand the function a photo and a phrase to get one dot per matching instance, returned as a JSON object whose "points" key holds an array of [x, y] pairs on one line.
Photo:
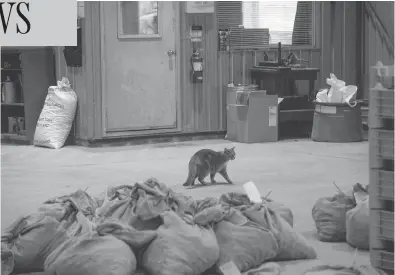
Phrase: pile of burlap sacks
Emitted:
{"points": [[344, 217], [147, 228]]}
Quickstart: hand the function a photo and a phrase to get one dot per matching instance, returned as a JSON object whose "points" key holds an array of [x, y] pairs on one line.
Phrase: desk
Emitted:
{"points": [[278, 80]]}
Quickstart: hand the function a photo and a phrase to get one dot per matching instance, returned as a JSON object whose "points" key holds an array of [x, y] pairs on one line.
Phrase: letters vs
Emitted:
{"points": [[21, 8]]}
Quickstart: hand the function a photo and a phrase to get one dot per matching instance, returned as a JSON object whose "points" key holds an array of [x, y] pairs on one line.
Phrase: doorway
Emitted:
{"points": [[139, 66]]}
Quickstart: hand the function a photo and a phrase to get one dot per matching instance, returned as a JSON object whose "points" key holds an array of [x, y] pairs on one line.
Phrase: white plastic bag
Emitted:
{"points": [[335, 94], [322, 96], [349, 95], [339, 92], [57, 115]]}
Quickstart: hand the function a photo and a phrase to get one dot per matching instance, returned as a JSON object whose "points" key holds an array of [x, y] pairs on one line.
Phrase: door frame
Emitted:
{"points": [[143, 132]]}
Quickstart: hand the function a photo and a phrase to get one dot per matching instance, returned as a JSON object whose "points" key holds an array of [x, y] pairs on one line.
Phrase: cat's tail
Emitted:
{"points": [[191, 175]]}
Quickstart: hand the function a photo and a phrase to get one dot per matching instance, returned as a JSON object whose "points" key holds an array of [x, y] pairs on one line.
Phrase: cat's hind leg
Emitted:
{"points": [[191, 175], [224, 173], [201, 179], [212, 176]]}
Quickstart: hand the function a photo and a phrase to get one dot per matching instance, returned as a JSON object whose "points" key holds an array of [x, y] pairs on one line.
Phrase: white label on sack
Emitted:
{"points": [[252, 192], [272, 116], [328, 110], [230, 269]]}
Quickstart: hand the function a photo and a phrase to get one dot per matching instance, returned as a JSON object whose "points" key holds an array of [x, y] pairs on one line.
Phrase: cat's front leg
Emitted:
{"points": [[224, 173], [212, 175]]}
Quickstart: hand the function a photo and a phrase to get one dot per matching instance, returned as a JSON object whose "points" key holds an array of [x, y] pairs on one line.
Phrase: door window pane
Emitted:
{"points": [[139, 17]]}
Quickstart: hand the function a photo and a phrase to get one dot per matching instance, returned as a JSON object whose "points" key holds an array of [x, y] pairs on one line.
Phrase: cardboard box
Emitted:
{"points": [[256, 121]]}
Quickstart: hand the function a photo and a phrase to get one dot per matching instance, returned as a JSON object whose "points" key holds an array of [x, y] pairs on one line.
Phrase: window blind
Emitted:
{"points": [[229, 14], [288, 22]]}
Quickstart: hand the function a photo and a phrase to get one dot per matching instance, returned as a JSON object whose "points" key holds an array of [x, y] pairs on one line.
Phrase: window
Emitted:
{"points": [[138, 19], [288, 22]]}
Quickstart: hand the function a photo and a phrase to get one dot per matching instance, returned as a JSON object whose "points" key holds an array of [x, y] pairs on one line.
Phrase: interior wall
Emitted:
{"points": [[202, 103], [77, 82], [358, 43], [38, 75], [77, 78], [345, 42], [385, 12], [375, 48], [86, 79]]}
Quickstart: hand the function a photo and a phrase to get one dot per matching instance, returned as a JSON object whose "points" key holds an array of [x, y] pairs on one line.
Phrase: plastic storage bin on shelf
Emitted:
{"points": [[337, 122]]}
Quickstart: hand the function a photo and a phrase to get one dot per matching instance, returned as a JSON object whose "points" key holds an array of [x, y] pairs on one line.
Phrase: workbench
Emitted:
{"points": [[281, 81], [273, 78]]}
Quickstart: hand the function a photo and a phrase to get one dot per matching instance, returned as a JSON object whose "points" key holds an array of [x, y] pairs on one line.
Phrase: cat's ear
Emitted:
{"points": [[233, 148]]}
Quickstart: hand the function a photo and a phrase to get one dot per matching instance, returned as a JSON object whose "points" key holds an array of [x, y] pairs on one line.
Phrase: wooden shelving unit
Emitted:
{"points": [[381, 183], [13, 127], [13, 104]]}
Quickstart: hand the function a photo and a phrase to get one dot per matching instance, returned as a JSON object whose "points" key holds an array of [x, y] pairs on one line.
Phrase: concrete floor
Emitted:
{"points": [[297, 172]]}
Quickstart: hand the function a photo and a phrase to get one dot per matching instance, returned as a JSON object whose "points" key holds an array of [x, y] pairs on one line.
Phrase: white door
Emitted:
{"points": [[139, 65]]}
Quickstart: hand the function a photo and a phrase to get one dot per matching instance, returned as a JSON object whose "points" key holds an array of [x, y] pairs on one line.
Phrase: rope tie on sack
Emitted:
{"points": [[19, 228]]}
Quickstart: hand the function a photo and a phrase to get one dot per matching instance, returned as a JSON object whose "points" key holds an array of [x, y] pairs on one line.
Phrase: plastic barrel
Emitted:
{"points": [[337, 122]]}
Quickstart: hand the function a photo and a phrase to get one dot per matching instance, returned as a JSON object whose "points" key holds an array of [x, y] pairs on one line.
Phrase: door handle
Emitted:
{"points": [[171, 53]]}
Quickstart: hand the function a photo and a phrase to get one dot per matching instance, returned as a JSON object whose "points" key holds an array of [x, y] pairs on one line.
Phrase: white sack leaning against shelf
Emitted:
{"points": [[57, 115]]}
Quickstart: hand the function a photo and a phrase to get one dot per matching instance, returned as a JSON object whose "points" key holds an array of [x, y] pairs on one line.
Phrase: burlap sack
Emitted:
{"points": [[329, 214]]}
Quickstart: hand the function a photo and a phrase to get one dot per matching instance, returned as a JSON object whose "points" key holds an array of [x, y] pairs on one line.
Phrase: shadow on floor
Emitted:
{"points": [[199, 185]]}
